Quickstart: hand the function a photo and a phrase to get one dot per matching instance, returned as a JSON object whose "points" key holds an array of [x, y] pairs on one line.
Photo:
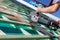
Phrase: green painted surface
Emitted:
{"points": [[9, 29]]}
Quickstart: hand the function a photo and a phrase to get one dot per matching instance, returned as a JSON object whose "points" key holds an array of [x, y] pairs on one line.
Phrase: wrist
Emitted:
{"points": [[38, 10]]}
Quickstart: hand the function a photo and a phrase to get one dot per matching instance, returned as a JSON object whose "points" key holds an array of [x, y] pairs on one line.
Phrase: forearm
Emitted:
{"points": [[16, 17], [50, 9]]}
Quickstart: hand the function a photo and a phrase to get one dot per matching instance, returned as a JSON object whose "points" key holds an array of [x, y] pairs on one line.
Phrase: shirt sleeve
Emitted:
{"points": [[55, 1]]}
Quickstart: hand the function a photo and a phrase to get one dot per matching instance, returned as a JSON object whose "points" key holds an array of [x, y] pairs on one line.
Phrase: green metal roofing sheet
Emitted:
{"points": [[12, 27]]}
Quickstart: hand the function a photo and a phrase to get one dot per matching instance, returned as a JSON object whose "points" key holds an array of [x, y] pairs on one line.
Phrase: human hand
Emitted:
{"points": [[58, 21], [38, 9]]}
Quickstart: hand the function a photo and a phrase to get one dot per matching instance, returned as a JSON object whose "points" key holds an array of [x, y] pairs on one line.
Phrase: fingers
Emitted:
{"points": [[58, 21], [38, 9]]}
